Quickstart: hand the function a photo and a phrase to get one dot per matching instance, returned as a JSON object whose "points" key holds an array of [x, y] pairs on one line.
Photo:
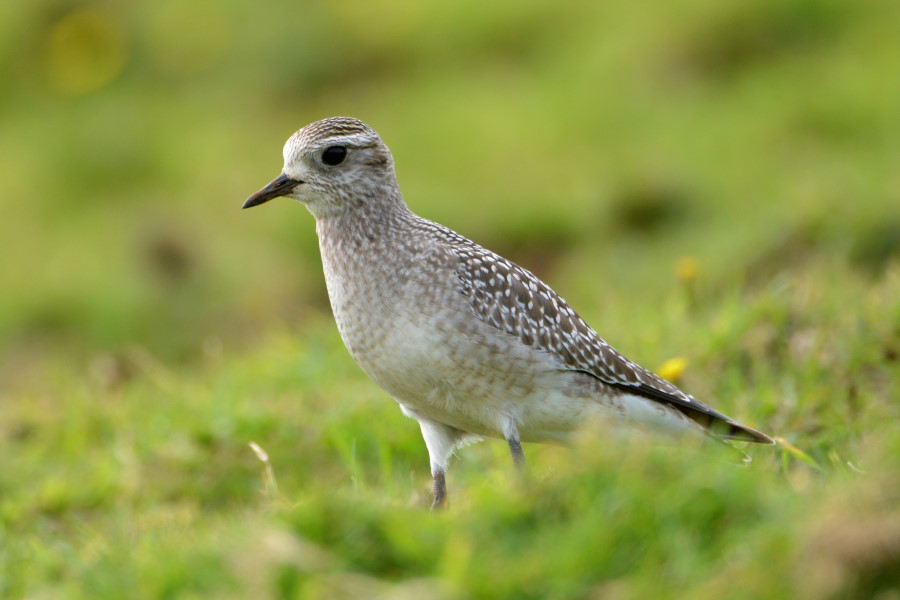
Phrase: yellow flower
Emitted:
{"points": [[84, 51], [687, 268], [672, 369]]}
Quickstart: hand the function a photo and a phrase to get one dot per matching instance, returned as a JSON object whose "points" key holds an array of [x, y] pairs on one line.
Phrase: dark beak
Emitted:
{"points": [[279, 187]]}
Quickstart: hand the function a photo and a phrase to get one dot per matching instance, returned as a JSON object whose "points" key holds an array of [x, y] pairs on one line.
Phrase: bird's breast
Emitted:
{"points": [[401, 314]]}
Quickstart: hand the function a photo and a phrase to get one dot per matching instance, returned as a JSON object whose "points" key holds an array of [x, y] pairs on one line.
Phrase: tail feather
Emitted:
{"points": [[710, 419], [726, 428]]}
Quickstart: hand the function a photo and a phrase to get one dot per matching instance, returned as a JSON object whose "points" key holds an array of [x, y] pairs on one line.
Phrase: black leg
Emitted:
{"points": [[515, 446], [440, 491]]}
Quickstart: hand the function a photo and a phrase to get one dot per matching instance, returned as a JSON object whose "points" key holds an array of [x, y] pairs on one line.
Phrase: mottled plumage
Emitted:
{"points": [[468, 343]]}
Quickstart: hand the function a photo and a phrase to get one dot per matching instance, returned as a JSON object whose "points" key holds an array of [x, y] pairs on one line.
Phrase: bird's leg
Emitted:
{"points": [[511, 433], [441, 500], [515, 447], [440, 440]]}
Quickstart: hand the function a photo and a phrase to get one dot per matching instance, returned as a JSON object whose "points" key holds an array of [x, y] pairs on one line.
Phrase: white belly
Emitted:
{"points": [[474, 380]]}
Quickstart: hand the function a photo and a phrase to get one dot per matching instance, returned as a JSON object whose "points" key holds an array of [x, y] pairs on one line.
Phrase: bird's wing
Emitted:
{"points": [[513, 300]]}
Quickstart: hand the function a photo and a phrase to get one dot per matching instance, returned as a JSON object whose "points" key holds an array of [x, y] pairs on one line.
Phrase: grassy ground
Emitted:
{"points": [[711, 183]]}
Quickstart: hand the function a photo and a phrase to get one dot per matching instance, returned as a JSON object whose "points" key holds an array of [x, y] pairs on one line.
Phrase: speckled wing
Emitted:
{"points": [[513, 300]]}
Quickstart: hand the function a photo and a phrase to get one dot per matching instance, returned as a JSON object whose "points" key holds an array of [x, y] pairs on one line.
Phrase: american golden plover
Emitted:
{"points": [[468, 343]]}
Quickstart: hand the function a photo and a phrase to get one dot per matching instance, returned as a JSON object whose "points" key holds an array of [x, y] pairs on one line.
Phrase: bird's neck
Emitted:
{"points": [[359, 244], [358, 227], [362, 251]]}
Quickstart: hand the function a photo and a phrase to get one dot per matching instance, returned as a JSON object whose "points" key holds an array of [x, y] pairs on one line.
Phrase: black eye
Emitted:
{"points": [[334, 155]]}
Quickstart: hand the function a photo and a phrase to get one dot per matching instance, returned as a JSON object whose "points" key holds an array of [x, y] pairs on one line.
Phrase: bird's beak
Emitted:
{"points": [[280, 186]]}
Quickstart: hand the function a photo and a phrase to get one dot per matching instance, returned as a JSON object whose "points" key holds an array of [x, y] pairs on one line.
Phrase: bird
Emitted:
{"points": [[468, 343]]}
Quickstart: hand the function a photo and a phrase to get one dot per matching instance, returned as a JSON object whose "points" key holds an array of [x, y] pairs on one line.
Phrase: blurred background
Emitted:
{"points": [[595, 143], [714, 186]]}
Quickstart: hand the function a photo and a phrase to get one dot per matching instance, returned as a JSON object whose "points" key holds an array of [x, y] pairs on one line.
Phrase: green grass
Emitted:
{"points": [[150, 330]]}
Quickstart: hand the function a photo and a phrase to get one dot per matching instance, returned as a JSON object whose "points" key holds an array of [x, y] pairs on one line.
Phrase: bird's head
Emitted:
{"points": [[331, 166]]}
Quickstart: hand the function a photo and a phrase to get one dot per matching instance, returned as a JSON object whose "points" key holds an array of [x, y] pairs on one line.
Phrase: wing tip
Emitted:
{"points": [[742, 433]]}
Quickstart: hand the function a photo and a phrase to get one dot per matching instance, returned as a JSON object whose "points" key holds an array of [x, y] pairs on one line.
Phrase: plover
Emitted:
{"points": [[469, 344]]}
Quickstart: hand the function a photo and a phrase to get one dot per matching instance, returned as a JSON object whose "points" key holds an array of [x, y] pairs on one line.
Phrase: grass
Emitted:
{"points": [[712, 186]]}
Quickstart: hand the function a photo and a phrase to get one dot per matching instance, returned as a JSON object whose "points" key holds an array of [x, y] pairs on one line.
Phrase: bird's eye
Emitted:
{"points": [[334, 155]]}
